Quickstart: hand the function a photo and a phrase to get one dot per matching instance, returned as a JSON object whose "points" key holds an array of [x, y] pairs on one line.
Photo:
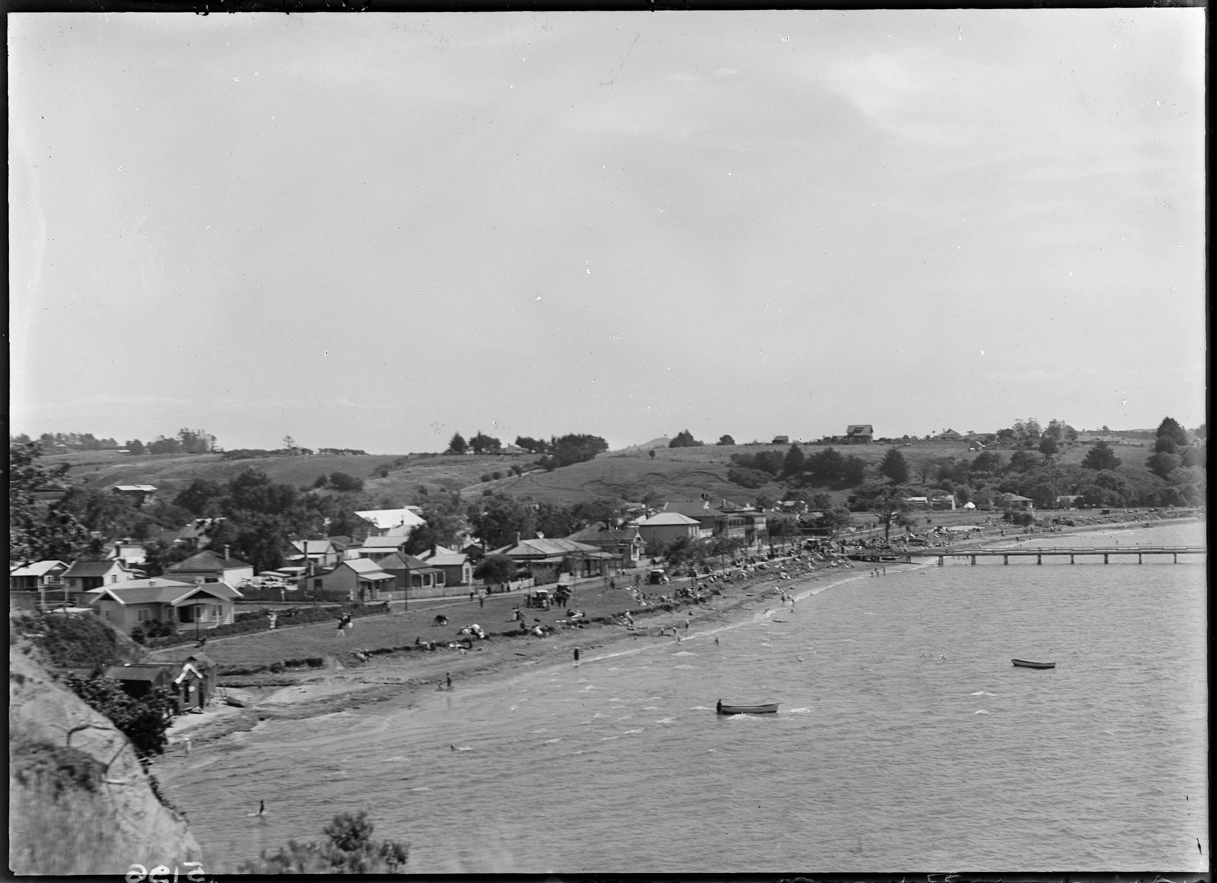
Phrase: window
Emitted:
{"points": [[143, 615]]}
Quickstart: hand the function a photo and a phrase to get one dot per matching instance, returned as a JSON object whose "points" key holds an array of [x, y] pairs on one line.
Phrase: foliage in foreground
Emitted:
{"points": [[143, 721], [350, 849]]}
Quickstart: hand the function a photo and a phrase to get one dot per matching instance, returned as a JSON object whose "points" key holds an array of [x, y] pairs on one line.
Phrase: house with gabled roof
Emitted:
{"points": [[546, 558], [361, 579], [415, 577], [36, 576], [392, 522], [626, 542], [664, 528], [83, 576], [136, 493], [137, 602], [379, 548], [456, 566], [859, 434], [209, 567], [318, 554]]}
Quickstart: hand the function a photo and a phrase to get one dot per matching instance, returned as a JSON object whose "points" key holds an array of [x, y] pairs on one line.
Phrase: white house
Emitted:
{"points": [[391, 522]]}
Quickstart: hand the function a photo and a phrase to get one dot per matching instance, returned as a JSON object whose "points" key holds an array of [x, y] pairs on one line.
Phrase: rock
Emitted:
{"points": [[79, 800]]}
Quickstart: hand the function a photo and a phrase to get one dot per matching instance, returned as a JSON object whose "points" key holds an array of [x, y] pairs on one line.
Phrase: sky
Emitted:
{"points": [[373, 231]]}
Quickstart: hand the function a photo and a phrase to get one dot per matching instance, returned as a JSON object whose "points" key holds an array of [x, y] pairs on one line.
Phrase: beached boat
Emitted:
{"points": [[766, 708], [1024, 663]]}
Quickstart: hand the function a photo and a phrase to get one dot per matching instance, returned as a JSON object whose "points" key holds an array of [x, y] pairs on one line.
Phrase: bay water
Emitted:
{"points": [[906, 740]]}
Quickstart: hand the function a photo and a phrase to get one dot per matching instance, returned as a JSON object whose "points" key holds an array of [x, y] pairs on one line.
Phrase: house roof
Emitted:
{"points": [[389, 542], [600, 533], [151, 673], [313, 547], [401, 561], [693, 508], [543, 546], [387, 519], [365, 568], [94, 568], [456, 559], [859, 429], [206, 561], [135, 488], [667, 518], [160, 591], [37, 568]]}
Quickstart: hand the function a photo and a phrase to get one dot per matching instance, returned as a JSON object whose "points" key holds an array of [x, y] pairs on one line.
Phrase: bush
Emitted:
{"points": [[349, 850], [143, 721]]}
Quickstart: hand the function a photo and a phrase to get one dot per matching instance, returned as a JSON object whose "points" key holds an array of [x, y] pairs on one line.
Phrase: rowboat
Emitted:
{"points": [[1023, 663], [767, 708]]}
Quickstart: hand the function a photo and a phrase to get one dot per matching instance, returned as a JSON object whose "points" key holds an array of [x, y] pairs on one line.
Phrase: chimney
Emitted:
{"points": [[226, 547], [517, 538]]}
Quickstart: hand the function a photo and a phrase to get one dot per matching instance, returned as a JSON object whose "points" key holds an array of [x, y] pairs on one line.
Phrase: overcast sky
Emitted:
{"points": [[372, 231]]}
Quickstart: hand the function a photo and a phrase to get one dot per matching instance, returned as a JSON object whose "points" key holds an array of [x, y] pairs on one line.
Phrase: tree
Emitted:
{"points": [[495, 569], [457, 445], [574, 448], [1049, 446], [1170, 437], [485, 444], [200, 496], [885, 500], [749, 478], [1101, 456], [894, 466], [532, 445], [135, 446], [1162, 464], [684, 439], [340, 481], [1023, 461], [498, 519], [726, 440], [36, 532], [143, 721], [792, 466], [987, 463], [349, 849]]}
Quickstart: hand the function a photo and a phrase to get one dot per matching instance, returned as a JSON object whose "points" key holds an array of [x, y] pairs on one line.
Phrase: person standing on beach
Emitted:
{"points": [[576, 655], [448, 680]]}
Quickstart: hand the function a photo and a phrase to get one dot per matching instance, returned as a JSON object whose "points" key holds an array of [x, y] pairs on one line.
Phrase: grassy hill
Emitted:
{"points": [[630, 474]]}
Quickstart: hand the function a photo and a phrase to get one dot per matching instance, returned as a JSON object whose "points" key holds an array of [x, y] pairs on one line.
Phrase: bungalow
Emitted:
{"points": [[1014, 501], [716, 522], [949, 435], [859, 434], [917, 502], [37, 576], [456, 566], [208, 567], [391, 522], [138, 601], [415, 578], [625, 543], [780, 440], [545, 558], [83, 576], [360, 579], [664, 528]]}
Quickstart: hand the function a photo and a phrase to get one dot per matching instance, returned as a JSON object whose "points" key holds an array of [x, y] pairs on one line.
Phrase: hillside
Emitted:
{"points": [[79, 800], [630, 474]]}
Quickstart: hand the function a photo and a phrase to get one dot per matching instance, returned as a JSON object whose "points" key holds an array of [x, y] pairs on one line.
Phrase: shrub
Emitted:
{"points": [[350, 850]]}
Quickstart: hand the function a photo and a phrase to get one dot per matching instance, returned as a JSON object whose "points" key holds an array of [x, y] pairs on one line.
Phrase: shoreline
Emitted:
{"points": [[351, 683], [388, 677]]}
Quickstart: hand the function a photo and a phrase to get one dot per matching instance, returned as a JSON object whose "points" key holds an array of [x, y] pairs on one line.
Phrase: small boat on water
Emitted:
{"points": [[1026, 663], [766, 708]]}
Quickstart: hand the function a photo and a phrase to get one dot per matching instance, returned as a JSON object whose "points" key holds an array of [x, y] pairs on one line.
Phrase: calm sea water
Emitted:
{"points": [[906, 739]]}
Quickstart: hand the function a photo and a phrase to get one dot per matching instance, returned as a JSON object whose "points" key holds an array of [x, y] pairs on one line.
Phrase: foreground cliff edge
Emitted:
{"points": [[80, 802]]}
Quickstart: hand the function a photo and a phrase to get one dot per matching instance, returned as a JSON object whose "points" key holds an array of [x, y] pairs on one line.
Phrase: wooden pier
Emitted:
{"points": [[1089, 554]]}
